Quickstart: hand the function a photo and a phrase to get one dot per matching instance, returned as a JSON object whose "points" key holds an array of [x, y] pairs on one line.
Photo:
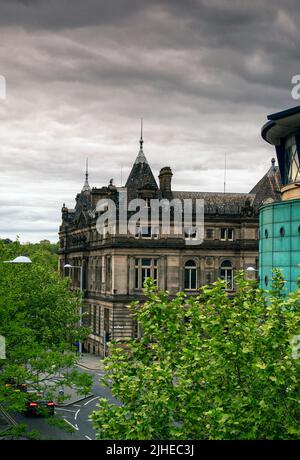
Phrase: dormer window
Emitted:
{"points": [[226, 234], [146, 232], [147, 202]]}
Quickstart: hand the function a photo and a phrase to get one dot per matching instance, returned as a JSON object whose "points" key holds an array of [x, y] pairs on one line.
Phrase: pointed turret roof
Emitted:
{"points": [[141, 176], [268, 188]]}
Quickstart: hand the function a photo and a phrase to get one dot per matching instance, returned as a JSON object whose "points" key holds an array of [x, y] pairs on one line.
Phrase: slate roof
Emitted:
{"points": [[268, 188], [141, 176], [218, 203]]}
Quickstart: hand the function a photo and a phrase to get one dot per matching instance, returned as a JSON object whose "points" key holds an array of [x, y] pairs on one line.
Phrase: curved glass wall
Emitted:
{"points": [[279, 244], [292, 170]]}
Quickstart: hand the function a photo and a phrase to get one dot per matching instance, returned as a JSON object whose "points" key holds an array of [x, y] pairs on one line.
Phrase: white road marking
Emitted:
{"points": [[67, 410], [75, 427], [75, 416], [77, 405], [87, 437], [96, 397]]}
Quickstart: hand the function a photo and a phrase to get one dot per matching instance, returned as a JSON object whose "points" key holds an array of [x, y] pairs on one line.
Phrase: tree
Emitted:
{"points": [[44, 252], [38, 319], [207, 367]]}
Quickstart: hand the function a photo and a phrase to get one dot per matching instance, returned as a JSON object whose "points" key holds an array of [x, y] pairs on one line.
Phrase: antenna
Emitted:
{"points": [[225, 165]]}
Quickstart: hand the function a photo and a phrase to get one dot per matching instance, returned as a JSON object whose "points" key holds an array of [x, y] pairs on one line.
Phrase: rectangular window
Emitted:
{"points": [[190, 233], [98, 276], [146, 232], [108, 274], [155, 231], [137, 231], [226, 234], [209, 233], [99, 320], [136, 274], [144, 268], [106, 321], [155, 270], [223, 234], [95, 320], [90, 316]]}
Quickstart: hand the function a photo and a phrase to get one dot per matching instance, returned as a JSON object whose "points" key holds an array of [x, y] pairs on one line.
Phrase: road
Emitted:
{"points": [[75, 415]]}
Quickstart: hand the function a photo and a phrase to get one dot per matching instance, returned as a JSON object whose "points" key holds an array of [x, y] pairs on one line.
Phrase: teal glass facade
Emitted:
{"points": [[279, 242]]}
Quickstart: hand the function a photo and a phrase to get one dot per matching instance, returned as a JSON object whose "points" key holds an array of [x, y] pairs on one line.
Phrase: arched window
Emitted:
{"points": [[190, 275], [227, 273]]}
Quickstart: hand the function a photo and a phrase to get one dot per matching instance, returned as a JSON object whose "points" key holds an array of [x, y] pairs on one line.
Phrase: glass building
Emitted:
{"points": [[279, 221]]}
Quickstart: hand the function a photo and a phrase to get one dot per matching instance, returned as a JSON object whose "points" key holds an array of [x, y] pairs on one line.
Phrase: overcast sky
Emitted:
{"points": [[203, 74]]}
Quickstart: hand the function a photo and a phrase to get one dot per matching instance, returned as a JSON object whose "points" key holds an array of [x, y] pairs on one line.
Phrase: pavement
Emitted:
{"points": [[91, 362]]}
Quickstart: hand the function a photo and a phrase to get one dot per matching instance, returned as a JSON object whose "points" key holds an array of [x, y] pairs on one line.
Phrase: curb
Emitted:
{"points": [[90, 368], [76, 401]]}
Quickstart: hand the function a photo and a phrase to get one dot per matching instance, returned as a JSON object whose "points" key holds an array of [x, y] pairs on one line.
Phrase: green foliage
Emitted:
{"points": [[38, 318], [44, 252], [207, 367]]}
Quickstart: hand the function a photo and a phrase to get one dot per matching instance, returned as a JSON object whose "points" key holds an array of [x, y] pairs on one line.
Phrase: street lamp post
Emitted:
{"points": [[81, 289]]}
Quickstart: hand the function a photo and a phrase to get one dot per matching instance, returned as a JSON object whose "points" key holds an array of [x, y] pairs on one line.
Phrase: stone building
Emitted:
{"points": [[114, 265]]}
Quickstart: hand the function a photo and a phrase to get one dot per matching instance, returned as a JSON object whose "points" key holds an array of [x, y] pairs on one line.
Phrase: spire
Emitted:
{"points": [[86, 186], [141, 139], [141, 156], [141, 175]]}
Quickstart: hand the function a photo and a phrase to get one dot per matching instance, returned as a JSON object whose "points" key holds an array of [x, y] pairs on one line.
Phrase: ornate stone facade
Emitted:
{"points": [[114, 266]]}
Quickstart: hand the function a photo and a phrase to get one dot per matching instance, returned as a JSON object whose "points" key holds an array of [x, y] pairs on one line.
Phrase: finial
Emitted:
{"points": [[273, 162], [87, 169], [86, 185], [141, 139]]}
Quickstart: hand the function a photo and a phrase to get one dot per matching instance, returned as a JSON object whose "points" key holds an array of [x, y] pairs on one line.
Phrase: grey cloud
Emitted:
{"points": [[203, 73]]}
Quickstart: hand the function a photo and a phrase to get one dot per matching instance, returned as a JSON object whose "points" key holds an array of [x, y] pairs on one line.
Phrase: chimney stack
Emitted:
{"points": [[165, 179]]}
